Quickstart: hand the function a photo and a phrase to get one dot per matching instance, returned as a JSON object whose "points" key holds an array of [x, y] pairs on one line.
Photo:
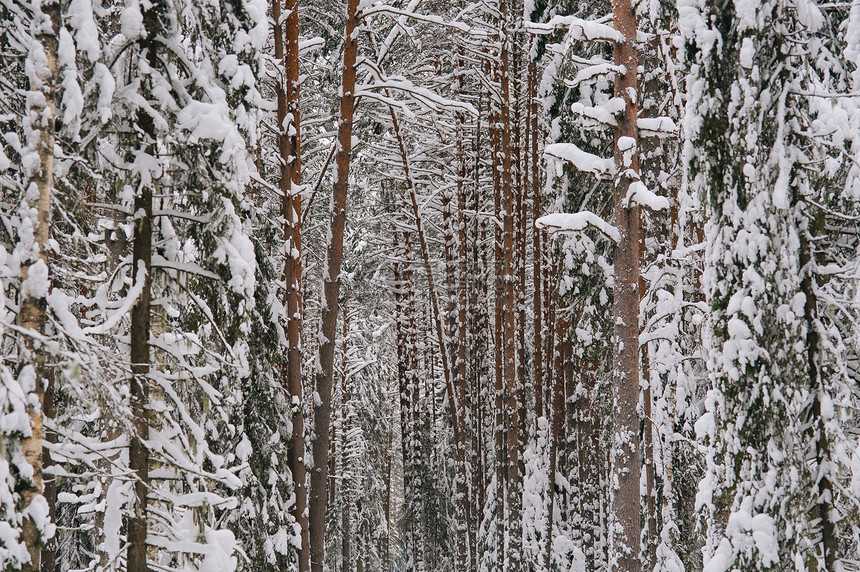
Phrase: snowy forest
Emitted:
{"points": [[429, 285]]}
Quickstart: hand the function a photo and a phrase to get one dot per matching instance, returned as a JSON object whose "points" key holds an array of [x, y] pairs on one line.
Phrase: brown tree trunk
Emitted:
{"points": [[385, 548], [563, 357], [520, 240], [626, 495], [346, 533], [589, 457], [289, 146], [513, 494], [331, 288], [136, 534], [652, 537], [817, 427], [463, 288], [498, 327], [140, 362], [32, 313], [537, 269], [402, 292]]}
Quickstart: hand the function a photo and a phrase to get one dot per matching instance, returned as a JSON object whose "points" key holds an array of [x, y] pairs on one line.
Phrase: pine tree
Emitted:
{"points": [[764, 418]]}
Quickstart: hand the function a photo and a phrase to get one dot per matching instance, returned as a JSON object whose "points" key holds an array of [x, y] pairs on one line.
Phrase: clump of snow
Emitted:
{"points": [[577, 222], [580, 159], [40, 514], [37, 283], [73, 99], [107, 84], [747, 53], [131, 20], [80, 14], [237, 251], [639, 194], [255, 39], [220, 551]]}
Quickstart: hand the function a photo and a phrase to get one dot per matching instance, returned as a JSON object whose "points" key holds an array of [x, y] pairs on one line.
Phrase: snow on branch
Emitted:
{"points": [[421, 94], [582, 160], [657, 126], [433, 19], [589, 72], [186, 267], [639, 194], [602, 113], [130, 300], [311, 44], [579, 29], [577, 222]]}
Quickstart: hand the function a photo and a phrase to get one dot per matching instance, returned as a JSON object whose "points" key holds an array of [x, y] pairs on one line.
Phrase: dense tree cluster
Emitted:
{"points": [[427, 285]]}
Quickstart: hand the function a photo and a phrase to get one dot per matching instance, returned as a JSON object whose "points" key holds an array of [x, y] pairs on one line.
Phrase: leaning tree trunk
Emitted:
{"points": [[289, 145], [626, 499], [331, 289], [41, 115], [455, 399]]}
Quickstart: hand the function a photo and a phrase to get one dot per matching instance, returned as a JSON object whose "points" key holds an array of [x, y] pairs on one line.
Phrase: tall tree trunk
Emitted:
{"points": [[498, 326], [537, 270], [817, 422], [626, 494], [506, 215], [346, 533], [41, 117], [652, 537], [331, 289], [520, 218], [589, 457], [564, 355], [402, 285], [140, 362], [289, 146], [463, 287], [385, 548], [136, 534]]}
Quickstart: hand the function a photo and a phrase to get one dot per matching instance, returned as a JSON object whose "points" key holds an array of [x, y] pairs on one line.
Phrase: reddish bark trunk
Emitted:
{"points": [[331, 289], [537, 270], [289, 145], [626, 496]]}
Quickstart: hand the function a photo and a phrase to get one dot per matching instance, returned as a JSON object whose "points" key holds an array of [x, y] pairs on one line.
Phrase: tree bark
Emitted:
{"points": [[346, 532], [817, 426], [506, 215], [563, 357], [537, 271], [137, 526], [289, 145], [498, 326], [463, 287], [589, 457], [331, 289], [626, 494], [32, 316]]}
